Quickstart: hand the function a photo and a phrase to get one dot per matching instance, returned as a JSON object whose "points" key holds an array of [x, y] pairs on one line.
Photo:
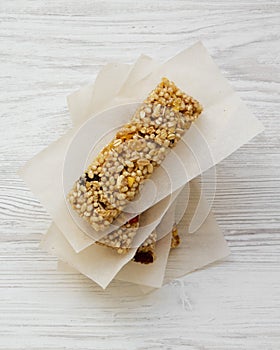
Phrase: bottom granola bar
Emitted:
{"points": [[121, 239]]}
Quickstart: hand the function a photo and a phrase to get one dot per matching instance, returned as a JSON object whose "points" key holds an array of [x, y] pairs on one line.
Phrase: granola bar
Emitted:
{"points": [[113, 178]]}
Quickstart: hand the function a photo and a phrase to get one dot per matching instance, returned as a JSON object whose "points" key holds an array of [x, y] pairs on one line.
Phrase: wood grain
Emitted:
{"points": [[51, 48]]}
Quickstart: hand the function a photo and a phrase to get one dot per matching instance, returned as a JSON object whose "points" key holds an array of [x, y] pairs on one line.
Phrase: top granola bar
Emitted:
{"points": [[114, 177]]}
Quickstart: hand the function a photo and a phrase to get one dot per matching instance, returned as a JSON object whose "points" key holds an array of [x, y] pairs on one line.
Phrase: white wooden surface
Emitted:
{"points": [[48, 49]]}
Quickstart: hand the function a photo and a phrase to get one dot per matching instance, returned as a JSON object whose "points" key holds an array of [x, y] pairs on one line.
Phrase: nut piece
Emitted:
{"points": [[130, 181], [175, 240], [142, 162]]}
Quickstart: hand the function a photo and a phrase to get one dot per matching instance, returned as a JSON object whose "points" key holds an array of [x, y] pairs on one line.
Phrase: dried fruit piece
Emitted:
{"points": [[146, 254], [134, 220]]}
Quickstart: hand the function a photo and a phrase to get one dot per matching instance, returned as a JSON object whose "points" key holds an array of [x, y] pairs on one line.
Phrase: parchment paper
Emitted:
{"points": [[44, 172], [155, 275], [99, 263], [152, 275], [92, 97], [91, 262], [225, 123], [254, 125], [113, 79], [224, 126], [199, 249]]}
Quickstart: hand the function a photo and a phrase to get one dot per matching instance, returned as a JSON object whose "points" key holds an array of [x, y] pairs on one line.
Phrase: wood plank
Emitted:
{"points": [[49, 49]]}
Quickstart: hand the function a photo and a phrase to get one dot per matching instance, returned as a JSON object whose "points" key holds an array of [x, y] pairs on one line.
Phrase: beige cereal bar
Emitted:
{"points": [[113, 178]]}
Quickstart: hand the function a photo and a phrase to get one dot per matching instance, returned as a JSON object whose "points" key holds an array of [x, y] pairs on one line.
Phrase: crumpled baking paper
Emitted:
{"points": [[225, 125]]}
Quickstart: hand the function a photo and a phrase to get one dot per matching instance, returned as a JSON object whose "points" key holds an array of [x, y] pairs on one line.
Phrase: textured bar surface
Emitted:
{"points": [[114, 177], [121, 239]]}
